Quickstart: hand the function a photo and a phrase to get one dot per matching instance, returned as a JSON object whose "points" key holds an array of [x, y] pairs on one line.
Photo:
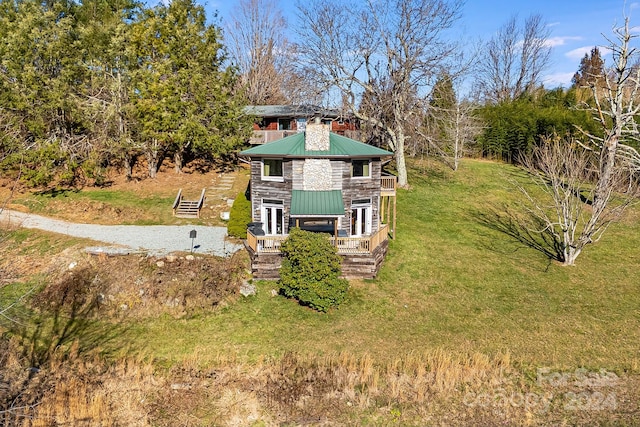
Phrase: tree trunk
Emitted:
{"points": [[128, 166], [153, 168], [177, 160], [571, 254], [153, 156], [400, 162]]}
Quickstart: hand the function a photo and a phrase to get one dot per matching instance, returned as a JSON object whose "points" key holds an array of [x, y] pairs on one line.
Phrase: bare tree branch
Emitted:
{"points": [[515, 59], [381, 53]]}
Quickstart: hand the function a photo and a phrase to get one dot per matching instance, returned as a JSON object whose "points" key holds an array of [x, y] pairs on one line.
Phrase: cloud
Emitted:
{"points": [[580, 52], [558, 79], [560, 41]]}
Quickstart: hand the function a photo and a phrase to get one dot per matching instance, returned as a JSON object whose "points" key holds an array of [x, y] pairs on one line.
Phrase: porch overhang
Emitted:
{"points": [[316, 204]]}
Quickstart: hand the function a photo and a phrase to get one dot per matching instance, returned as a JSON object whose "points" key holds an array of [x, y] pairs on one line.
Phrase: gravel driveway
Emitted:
{"points": [[156, 240]]}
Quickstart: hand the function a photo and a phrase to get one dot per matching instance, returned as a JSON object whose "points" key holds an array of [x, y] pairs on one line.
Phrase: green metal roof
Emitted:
{"points": [[305, 202], [293, 146]]}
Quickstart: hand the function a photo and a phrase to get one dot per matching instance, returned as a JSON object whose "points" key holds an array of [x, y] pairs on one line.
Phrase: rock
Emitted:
{"points": [[72, 265], [274, 293], [175, 302], [160, 264], [124, 307], [189, 257], [170, 258], [180, 386], [225, 216], [247, 289], [230, 202]]}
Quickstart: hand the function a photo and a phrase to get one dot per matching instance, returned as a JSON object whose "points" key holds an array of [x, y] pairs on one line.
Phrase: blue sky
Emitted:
{"points": [[576, 25]]}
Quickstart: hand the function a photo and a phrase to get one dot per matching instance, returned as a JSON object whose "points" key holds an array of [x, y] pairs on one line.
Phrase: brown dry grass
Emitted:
{"points": [[337, 389]]}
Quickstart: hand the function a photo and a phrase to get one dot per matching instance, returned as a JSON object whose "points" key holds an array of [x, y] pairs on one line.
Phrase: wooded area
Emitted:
{"points": [[115, 84], [93, 84]]}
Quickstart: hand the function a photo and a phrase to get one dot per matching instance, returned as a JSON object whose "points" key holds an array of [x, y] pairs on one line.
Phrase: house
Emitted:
{"points": [[273, 122], [320, 181]]}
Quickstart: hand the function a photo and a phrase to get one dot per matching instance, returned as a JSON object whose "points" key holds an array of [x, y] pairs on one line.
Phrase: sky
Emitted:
{"points": [[576, 25]]}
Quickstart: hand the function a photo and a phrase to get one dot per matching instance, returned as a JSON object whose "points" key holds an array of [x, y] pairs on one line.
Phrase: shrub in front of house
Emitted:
{"points": [[239, 217], [311, 270]]}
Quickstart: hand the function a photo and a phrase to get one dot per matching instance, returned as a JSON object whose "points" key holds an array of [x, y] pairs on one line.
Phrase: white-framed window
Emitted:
{"points": [[361, 168], [272, 217], [272, 170], [361, 217]]}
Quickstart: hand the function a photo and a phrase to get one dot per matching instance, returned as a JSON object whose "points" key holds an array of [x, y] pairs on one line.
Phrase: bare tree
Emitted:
{"points": [[450, 125], [515, 59], [450, 131], [260, 50], [565, 211], [591, 182], [386, 51]]}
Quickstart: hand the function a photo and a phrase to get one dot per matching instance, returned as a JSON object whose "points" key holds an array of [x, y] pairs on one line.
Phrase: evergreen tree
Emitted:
{"points": [[38, 86], [181, 94], [591, 68]]}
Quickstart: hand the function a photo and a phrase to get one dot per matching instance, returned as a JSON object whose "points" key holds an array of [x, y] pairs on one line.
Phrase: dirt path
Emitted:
{"points": [[155, 240]]}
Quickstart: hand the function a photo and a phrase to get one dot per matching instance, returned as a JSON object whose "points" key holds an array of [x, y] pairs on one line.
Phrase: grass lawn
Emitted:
{"points": [[449, 282]]}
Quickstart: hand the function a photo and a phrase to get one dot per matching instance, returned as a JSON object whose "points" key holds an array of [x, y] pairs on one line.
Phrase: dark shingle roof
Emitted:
{"points": [[291, 111]]}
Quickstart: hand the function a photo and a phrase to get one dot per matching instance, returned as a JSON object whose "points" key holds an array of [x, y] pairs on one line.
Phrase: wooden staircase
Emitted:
{"points": [[187, 208]]}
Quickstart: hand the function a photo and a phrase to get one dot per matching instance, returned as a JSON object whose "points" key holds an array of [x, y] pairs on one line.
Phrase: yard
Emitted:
{"points": [[449, 281], [453, 289]]}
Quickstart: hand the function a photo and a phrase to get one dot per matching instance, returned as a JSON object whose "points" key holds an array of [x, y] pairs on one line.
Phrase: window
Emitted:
{"points": [[361, 168], [284, 124], [273, 216], [272, 170]]}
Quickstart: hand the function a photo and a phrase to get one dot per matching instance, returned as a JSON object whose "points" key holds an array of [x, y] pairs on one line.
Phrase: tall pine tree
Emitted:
{"points": [[591, 69]]}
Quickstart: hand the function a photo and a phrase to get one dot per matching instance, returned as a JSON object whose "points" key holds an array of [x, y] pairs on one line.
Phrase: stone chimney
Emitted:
{"points": [[317, 136]]}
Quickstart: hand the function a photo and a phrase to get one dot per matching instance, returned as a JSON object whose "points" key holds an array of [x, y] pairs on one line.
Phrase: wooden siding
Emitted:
{"points": [[278, 190], [362, 188], [352, 188]]}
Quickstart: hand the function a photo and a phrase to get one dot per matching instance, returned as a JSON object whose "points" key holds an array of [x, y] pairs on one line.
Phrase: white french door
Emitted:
{"points": [[361, 218], [273, 218]]}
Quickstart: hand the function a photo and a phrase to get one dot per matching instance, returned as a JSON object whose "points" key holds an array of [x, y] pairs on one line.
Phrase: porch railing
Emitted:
{"points": [[264, 136], [388, 183], [345, 245]]}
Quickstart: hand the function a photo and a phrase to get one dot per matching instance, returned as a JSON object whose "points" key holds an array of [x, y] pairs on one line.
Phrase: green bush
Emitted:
{"points": [[310, 271], [239, 217]]}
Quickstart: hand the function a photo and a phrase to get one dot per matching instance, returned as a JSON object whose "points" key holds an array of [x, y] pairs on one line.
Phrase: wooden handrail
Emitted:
{"points": [[177, 201], [265, 244], [252, 241], [344, 245], [201, 201], [388, 182]]}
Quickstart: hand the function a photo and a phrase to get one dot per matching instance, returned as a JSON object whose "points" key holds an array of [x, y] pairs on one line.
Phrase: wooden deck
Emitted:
{"points": [[361, 256], [344, 245]]}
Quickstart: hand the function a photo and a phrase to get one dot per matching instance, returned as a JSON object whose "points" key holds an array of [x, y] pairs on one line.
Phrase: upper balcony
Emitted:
{"points": [[388, 185], [260, 137]]}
